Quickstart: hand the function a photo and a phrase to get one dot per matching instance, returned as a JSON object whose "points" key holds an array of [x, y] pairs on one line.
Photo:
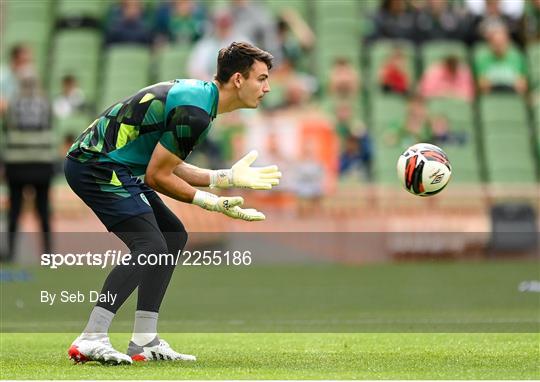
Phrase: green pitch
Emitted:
{"points": [[391, 321], [291, 356]]}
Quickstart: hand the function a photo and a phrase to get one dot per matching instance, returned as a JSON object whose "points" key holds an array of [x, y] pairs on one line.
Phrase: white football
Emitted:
{"points": [[424, 169]]}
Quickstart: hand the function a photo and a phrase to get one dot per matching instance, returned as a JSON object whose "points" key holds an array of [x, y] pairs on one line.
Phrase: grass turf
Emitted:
{"points": [[291, 356]]}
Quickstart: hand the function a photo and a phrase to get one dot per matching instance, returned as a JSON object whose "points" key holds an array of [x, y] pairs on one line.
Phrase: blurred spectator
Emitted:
{"points": [[511, 8], [356, 150], [393, 20], [309, 176], [253, 20], [20, 61], [344, 79], [295, 37], [296, 94], [202, 61], [532, 21], [181, 21], [70, 100], [501, 67], [416, 127], [29, 155], [449, 78], [393, 76], [127, 23], [489, 12], [438, 21]]}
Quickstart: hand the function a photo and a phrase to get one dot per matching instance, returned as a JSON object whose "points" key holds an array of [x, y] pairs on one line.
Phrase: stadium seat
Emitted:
{"points": [[337, 9], [32, 32], [506, 138], [465, 162], [387, 110], [457, 111], [433, 51], [388, 115], [126, 71], [76, 52], [464, 156], [70, 8], [172, 62], [28, 10], [72, 125], [338, 34], [533, 53], [503, 112], [300, 6]]}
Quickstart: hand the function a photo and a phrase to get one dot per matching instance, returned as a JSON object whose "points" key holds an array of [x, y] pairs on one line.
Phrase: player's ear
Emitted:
{"points": [[237, 80]]}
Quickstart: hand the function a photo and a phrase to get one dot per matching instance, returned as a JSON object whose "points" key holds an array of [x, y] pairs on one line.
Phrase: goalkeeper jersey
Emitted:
{"points": [[178, 114]]}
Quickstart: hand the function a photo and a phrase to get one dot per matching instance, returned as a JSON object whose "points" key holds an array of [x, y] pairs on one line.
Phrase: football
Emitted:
{"points": [[424, 169]]}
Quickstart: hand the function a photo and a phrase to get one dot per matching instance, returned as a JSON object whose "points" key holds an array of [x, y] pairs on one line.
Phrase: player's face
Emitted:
{"points": [[253, 88]]}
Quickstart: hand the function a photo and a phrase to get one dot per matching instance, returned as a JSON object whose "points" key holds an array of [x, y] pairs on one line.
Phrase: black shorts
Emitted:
{"points": [[110, 190]]}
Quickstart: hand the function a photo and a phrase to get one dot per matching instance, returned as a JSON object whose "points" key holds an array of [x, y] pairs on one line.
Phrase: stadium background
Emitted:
{"points": [[308, 124], [338, 293]]}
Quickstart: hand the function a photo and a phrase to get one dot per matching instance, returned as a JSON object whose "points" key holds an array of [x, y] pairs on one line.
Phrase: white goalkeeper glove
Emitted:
{"points": [[244, 176], [227, 205]]}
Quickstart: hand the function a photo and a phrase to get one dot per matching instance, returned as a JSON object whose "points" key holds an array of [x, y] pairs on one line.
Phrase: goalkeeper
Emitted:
{"points": [[151, 133]]}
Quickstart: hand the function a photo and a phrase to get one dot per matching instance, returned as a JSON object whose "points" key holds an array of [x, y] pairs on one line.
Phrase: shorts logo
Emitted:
{"points": [[143, 197]]}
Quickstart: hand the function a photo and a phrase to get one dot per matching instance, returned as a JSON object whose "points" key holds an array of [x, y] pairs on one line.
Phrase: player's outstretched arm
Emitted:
{"points": [[243, 175], [161, 177]]}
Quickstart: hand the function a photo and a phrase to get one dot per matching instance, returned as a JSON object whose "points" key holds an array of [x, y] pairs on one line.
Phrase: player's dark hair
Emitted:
{"points": [[238, 58]]}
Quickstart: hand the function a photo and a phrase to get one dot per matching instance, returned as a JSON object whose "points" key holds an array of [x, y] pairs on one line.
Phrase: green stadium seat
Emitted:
{"points": [[385, 160], [126, 71], [458, 112], [27, 10], [34, 33], [338, 34], [463, 157], [336, 9], [387, 110], [72, 125], [509, 157], [127, 63], [388, 114], [300, 6], [90, 8], [77, 52], [506, 139], [465, 162], [172, 62], [503, 112], [434, 51], [533, 53]]}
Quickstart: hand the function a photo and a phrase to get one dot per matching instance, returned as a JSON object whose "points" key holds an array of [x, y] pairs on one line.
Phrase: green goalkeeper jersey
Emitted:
{"points": [[178, 114]]}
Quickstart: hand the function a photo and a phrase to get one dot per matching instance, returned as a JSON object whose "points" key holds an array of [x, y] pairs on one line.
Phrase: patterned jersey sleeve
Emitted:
{"points": [[186, 126]]}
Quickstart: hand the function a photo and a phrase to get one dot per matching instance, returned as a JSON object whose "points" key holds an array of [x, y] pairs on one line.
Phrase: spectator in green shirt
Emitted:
{"points": [[501, 67]]}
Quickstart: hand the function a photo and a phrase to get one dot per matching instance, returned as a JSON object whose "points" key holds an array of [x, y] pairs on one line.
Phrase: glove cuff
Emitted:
{"points": [[221, 179], [205, 200]]}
